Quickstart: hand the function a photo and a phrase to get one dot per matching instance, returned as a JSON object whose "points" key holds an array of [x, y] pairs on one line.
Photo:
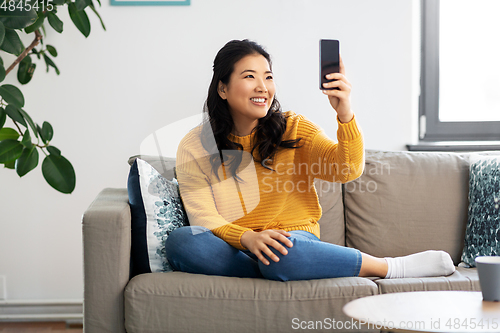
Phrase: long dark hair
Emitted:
{"points": [[270, 128]]}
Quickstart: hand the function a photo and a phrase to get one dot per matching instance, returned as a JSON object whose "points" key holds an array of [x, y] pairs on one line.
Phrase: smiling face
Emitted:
{"points": [[249, 93]]}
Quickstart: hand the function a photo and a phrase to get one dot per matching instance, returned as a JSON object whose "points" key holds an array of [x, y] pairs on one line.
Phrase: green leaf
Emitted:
{"points": [[58, 2], [25, 70], [47, 132], [3, 73], [99, 16], [80, 19], [10, 165], [26, 141], [10, 150], [27, 161], [8, 133], [12, 95], [52, 50], [12, 43], [59, 173], [3, 117], [39, 130], [14, 114], [82, 4], [30, 121], [14, 17], [2, 33], [55, 22], [54, 151], [35, 26], [49, 62], [34, 51]]}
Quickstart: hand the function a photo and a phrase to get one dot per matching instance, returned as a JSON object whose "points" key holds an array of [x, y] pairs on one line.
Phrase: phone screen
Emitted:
{"points": [[329, 61]]}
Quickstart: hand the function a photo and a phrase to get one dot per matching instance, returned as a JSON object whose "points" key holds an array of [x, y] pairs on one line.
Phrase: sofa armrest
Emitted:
{"points": [[106, 257]]}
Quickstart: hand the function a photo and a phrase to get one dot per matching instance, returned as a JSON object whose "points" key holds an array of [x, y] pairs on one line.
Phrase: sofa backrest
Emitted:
{"points": [[164, 165], [331, 223], [406, 202]]}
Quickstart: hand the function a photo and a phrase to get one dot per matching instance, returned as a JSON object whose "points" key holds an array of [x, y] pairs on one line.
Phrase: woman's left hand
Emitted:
{"points": [[340, 99]]}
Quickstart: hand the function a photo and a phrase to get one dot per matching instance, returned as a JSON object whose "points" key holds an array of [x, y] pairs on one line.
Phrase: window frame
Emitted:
{"points": [[431, 129]]}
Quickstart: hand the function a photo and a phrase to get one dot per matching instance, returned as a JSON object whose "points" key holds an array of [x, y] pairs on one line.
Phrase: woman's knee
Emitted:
{"points": [[289, 267], [283, 269]]}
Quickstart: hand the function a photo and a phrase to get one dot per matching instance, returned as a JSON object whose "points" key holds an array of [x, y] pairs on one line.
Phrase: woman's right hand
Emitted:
{"points": [[258, 242]]}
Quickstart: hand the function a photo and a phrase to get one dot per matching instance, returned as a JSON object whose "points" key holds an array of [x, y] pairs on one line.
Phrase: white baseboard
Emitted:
{"points": [[70, 311]]}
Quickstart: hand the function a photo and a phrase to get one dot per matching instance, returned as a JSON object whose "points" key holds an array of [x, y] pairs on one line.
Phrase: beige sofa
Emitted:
{"points": [[403, 203]]}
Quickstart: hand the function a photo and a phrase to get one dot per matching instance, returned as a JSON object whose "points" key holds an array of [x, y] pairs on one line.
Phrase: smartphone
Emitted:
{"points": [[329, 50]]}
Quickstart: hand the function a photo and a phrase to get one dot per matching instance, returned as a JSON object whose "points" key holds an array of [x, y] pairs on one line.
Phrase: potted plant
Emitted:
{"points": [[20, 144]]}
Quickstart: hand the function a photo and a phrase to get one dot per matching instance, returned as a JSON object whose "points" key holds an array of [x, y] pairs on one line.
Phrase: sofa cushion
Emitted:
{"points": [[407, 202], [156, 211], [182, 302], [482, 236], [462, 279]]}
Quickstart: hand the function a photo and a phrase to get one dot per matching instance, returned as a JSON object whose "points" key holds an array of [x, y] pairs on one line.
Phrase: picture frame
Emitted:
{"points": [[150, 2]]}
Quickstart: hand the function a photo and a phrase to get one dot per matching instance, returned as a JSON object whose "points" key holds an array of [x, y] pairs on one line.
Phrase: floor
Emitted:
{"points": [[45, 327]]}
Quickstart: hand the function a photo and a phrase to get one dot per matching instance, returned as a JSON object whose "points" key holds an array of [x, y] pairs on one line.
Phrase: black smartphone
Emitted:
{"points": [[329, 50]]}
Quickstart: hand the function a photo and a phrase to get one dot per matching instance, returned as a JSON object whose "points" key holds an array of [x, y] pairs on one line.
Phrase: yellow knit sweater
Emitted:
{"points": [[282, 199]]}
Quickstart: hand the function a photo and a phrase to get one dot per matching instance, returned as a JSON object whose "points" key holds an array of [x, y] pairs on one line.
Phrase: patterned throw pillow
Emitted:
{"points": [[157, 210], [482, 237]]}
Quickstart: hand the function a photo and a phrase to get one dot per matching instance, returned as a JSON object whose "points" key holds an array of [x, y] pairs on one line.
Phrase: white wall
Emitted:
{"points": [[152, 67]]}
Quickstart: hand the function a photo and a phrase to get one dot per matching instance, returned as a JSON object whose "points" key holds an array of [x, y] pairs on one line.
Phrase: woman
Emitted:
{"points": [[246, 181]]}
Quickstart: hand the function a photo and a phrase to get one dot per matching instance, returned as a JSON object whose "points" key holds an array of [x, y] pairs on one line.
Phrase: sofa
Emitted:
{"points": [[404, 202]]}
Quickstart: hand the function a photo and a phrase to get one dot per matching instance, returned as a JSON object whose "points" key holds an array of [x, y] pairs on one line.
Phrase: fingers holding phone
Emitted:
{"points": [[333, 81], [329, 61]]}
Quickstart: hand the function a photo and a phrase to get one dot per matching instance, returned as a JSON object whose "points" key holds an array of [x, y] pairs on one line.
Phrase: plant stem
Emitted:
{"points": [[41, 148], [27, 50], [18, 128]]}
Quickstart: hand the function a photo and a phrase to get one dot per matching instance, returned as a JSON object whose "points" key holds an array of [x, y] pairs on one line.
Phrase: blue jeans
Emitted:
{"points": [[195, 249]]}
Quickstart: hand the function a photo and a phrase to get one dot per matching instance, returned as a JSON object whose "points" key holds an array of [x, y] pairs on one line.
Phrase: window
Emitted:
{"points": [[460, 74]]}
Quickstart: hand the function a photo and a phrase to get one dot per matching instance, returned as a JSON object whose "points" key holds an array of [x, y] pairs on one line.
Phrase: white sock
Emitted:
{"points": [[422, 264]]}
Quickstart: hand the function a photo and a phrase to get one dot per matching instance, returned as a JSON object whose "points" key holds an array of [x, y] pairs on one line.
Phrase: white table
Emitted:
{"points": [[427, 311]]}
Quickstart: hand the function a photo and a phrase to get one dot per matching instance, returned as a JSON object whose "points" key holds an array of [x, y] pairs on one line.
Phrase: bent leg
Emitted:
{"points": [[310, 258], [195, 249]]}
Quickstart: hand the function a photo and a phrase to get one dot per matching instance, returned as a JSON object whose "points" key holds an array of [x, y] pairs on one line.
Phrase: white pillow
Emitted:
{"points": [[157, 210]]}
